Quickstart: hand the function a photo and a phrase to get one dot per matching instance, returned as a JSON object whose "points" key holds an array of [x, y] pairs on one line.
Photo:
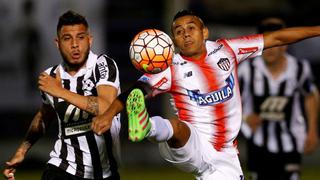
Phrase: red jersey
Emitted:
{"points": [[206, 91]]}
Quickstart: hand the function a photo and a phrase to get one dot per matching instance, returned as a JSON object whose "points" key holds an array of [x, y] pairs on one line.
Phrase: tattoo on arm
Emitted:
{"points": [[24, 147], [93, 105], [36, 130], [38, 127]]}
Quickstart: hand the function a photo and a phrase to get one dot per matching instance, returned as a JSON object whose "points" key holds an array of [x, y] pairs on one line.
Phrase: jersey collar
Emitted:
{"points": [[200, 60]]}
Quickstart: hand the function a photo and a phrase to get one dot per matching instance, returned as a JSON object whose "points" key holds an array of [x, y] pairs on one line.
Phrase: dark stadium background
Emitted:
{"points": [[29, 26]]}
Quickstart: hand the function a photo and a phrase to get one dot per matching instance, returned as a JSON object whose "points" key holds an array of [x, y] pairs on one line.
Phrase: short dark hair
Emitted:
{"points": [[185, 12], [71, 18], [270, 24]]}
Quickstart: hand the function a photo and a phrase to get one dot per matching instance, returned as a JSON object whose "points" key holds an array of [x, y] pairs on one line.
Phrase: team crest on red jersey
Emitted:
{"points": [[224, 64]]}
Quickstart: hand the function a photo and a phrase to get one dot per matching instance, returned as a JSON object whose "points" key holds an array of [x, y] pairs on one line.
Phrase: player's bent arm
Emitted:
{"points": [[106, 95], [289, 35], [92, 104], [312, 106], [38, 126]]}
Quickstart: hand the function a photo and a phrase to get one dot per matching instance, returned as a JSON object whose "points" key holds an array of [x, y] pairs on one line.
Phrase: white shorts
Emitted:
{"points": [[199, 157]]}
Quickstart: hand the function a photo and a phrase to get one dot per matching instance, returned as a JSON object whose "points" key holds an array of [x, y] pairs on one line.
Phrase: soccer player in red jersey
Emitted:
{"points": [[204, 86]]}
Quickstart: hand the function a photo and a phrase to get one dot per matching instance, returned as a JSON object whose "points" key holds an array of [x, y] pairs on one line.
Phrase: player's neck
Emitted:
{"points": [[278, 67], [196, 57], [72, 70]]}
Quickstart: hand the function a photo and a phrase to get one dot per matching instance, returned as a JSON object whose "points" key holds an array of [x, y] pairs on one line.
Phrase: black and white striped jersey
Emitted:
{"points": [[278, 101], [78, 150]]}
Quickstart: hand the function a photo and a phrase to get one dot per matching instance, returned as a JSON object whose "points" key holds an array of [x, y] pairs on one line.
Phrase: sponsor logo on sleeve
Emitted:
{"points": [[249, 50], [160, 83], [102, 70]]}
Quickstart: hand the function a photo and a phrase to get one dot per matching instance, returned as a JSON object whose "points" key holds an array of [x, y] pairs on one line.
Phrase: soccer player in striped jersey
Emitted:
{"points": [[280, 107], [82, 86], [203, 82]]}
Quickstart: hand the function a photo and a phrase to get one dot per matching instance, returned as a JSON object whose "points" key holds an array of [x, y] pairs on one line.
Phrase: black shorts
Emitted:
{"points": [[54, 173], [264, 165]]}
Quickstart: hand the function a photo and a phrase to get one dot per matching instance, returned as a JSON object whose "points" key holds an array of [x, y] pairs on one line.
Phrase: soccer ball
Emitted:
{"points": [[151, 51]]}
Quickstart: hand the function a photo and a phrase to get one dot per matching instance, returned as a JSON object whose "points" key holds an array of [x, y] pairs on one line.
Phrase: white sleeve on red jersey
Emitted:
{"points": [[160, 82], [245, 47]]}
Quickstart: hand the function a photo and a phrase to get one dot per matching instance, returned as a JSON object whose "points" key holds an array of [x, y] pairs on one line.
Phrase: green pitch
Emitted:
{"points": [[171, 173], [125, 173]]}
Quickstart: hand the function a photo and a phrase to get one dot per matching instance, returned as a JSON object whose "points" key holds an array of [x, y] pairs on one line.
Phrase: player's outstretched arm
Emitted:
{"points": [[36, 130], [289, 35]]}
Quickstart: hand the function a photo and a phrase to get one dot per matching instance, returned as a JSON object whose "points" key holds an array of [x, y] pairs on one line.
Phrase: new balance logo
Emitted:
{"points": [[187, 74]]}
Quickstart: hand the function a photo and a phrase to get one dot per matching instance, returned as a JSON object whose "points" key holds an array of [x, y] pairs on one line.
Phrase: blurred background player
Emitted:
{"points": [[81, 87], [204, 85], [280, 108], [30, 35]]}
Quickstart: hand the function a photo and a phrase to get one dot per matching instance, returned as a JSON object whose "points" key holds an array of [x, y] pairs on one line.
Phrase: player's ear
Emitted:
{"points": [[56, 41], [90, 40], [205, 33]]}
